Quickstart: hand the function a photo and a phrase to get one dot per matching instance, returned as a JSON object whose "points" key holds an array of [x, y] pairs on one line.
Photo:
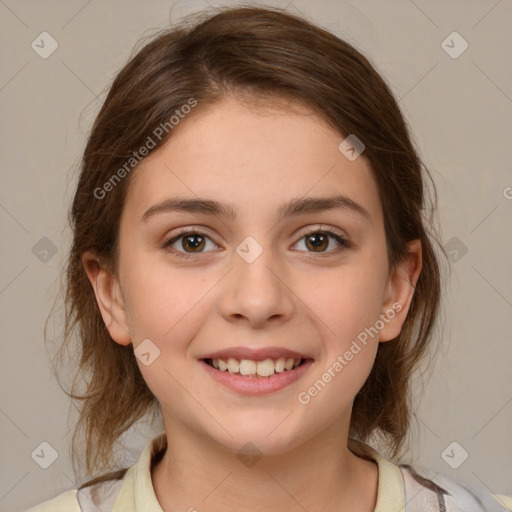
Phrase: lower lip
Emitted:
{"points": [[257, 385]]}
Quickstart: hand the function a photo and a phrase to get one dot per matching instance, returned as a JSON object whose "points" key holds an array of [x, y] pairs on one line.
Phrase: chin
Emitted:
{"points": [[265, 438]]}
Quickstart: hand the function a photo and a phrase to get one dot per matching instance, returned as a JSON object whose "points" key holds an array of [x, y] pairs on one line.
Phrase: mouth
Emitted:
{"points": [[256, 377], [263, 369]]}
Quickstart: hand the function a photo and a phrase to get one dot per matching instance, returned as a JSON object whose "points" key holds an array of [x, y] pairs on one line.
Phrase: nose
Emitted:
{"points": [[257, 292]]}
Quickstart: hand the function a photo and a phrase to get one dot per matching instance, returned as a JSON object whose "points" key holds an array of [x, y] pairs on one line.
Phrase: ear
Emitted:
{"points": [[400, 291], [108, 296]]}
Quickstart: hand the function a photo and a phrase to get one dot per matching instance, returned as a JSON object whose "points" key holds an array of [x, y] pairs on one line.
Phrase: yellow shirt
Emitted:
{"points": [[398, 491]]}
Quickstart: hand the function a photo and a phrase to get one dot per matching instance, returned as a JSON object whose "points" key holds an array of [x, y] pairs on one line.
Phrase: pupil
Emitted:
{"points": [[317, 240], [198, 244]]}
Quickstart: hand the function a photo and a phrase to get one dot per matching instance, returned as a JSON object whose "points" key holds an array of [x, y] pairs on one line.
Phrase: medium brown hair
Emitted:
{"points": [[248, 52]]}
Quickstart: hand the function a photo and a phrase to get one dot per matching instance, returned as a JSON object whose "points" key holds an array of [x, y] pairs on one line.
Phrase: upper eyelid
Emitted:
{"points": [[203, 230]]}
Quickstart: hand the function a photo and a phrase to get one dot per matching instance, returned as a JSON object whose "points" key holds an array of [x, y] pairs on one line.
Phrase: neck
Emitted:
{"points": [[197, 472]]}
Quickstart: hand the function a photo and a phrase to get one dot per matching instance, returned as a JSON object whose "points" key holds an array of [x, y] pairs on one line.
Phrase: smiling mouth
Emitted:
{"points": [[257, 369]]}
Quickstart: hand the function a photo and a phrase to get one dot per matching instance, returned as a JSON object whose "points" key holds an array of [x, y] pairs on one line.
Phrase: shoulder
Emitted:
{"points": [[99, 496], [64, 502], [506, 500], [419, 489], [425, 488], [114, 491]]}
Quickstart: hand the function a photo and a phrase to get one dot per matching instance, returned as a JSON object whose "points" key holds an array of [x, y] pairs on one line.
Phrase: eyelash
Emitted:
{"points": [[345, 244]]}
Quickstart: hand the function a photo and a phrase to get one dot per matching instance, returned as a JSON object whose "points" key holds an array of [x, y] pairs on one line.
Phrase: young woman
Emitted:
{"points": [[253, 258]]}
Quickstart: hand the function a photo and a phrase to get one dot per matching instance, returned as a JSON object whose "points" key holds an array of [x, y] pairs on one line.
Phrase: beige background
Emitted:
{"points": [[459, 110]]}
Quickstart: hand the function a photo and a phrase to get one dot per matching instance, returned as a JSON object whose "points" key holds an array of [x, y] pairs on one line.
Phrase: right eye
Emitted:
{"points": [[191, 240]]}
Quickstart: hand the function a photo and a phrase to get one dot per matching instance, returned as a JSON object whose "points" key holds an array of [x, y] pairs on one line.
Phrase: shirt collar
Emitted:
{"points": [[390, 489], [137, 487]]}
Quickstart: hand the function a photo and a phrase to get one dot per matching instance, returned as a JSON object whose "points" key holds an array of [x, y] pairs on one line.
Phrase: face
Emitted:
{"points": [[269, 269]]}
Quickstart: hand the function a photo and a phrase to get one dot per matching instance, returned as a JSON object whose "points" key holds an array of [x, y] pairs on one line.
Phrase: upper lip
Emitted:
{"points": [[255, 354]]}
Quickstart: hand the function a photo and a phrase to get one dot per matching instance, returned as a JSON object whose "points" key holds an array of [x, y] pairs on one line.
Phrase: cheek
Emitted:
{"points": [[161, 301], [347, 300], [348, 306]]}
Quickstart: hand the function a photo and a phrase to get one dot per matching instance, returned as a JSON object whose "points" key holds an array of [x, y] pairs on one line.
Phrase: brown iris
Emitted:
{"points": [[197, 242], [317, 241]]}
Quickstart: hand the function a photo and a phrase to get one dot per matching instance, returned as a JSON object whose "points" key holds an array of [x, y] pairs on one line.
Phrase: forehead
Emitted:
{"points": [[251, 156]]}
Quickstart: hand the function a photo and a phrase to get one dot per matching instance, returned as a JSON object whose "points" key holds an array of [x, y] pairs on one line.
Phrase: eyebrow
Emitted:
{"points": [[293, 207]]}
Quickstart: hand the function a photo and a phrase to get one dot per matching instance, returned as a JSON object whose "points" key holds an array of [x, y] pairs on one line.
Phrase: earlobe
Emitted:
{"points": [[400, 291], [108, 297]]}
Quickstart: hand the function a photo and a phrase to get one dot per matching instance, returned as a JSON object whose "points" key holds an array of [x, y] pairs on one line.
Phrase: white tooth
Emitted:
{"points": [[280, 365], [233, 366], [247, 367], [289, 363], [265, 368]]}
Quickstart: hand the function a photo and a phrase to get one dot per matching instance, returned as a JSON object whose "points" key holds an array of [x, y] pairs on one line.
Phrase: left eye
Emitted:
{"points": [[318, 241], [194, 242]]}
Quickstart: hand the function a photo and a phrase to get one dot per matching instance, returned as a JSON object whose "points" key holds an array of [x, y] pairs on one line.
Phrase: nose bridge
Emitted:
{"points": [[257, 289]]}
